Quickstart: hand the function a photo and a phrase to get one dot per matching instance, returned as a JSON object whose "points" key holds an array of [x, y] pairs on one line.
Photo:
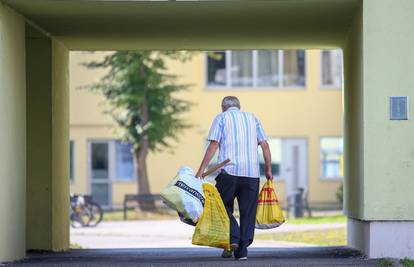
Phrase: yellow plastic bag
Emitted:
{"points": [[213, 227], [269, 213]]}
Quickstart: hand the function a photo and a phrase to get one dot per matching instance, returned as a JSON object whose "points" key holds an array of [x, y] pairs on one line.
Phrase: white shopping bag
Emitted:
{"points": [[185, 194]]}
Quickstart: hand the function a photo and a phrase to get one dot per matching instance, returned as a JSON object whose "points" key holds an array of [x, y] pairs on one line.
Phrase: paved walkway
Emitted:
{"points": [[168, 244], [169, 257], [166, 234]]}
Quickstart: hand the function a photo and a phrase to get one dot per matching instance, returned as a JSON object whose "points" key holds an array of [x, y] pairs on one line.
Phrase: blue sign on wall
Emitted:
{"points": [[399, 108]]}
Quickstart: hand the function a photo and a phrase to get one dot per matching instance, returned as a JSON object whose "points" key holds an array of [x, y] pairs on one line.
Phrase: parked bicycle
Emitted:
{"points": [[84, 212]]}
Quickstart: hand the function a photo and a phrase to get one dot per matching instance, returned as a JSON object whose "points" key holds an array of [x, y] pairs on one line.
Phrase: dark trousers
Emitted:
{"points": [[246, 190]]}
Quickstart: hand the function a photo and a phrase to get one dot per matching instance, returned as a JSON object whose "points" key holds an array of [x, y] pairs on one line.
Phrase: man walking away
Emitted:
{"points": [[238, 135]]}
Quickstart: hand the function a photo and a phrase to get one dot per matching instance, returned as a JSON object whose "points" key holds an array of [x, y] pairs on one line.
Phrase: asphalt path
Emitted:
{"points": [[206, 257]]}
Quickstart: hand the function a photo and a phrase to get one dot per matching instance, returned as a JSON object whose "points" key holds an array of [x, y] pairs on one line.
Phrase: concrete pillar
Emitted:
{"points": [[12, 135], [380, 152], [47, 142]]}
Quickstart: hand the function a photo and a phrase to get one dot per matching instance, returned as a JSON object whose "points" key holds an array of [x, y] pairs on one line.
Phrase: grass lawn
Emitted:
{"points": [[386, 262], [330, 237], [75, 246], [318, 219], [406, 262], [171, 215], [140, 215]]}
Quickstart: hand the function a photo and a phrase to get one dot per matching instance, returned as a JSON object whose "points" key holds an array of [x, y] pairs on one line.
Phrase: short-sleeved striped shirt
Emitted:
{"points": [[239, 135]]}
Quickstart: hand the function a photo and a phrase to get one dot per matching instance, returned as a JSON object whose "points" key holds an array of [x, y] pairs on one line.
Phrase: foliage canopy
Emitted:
{"points": [[140, 94]]}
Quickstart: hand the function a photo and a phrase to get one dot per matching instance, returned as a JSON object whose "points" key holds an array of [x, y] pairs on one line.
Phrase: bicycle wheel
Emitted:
{"points": [[80, 217], [96, 214]]}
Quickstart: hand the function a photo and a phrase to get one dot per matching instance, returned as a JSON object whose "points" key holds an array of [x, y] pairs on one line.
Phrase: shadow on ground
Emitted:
{"points": [[313, 256]]}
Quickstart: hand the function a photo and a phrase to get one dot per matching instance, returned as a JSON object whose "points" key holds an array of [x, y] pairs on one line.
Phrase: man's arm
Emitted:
{"points": [[211, 150], [268, 159]]}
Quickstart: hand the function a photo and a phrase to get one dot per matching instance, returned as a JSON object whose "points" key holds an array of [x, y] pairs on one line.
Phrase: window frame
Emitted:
{"points": [[321, 176], [134, 163], [111, 161], [326, 86], [228, 85], [91, 181]]}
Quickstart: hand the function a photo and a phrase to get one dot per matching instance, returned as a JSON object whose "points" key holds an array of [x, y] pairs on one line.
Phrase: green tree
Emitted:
{"points": [[142, 101], [340, 194]]}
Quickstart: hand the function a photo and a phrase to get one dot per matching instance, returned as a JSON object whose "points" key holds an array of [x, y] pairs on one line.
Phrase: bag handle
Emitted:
{"points": [[215, 168]]}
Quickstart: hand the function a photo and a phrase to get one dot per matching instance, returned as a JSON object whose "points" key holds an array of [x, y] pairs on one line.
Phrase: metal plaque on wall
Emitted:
{"points": [[399, 108]]}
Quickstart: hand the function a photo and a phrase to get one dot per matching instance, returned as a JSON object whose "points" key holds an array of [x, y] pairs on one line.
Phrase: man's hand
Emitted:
{"points": [[199, 174], [269, 175]]}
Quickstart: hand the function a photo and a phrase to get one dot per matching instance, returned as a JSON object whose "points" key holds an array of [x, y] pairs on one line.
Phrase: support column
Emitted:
{"points": [[47, 142], [379, 64], [12, 135]]}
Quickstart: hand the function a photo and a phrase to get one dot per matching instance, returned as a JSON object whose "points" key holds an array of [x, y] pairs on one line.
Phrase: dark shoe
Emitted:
{"points": [[229, 253]]}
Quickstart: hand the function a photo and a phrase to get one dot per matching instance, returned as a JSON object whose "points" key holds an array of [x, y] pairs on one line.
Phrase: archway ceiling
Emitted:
{"points": [[237, 24]]}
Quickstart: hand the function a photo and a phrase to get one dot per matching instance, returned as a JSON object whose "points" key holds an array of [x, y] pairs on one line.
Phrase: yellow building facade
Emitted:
{"points": [[296, 94], [36, 37]]}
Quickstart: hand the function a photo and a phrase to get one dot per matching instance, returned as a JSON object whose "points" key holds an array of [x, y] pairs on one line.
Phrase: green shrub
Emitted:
{"points": [[406, 262]]}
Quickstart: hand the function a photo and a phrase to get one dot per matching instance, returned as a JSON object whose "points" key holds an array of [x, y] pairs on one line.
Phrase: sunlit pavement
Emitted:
{"points": [[167, 234], [171, 257], [168, 244]]}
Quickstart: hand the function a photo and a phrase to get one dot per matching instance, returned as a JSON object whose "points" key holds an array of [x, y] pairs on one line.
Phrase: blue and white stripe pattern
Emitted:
{"points": [[239, 135]]}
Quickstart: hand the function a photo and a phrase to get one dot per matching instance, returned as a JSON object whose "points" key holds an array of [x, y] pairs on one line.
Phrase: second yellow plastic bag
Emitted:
{"points": [[269, 213], [213, 227]]}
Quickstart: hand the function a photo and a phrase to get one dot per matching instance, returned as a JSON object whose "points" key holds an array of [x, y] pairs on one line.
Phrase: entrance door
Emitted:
{"points": [[99, 172], [294, 164]]}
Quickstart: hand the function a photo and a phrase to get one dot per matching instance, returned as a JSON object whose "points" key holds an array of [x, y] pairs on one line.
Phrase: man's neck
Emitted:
{"points": [[232, 108]]}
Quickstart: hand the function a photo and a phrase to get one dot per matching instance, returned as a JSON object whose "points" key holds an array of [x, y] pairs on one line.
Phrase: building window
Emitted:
{"points": [[71, 160], [100, 160], [331, 157], [275, 145], [256, 68], [216, 69], [268, 68], [331, 68], [124, 161], [241, 68], [294, 68], [112, 160]]}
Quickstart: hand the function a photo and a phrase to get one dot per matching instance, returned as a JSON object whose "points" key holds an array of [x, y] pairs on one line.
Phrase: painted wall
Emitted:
{"points": [[353, 132], [47, 143], [60, 146], [389, 146], [378, 64], [311, 113], [39, 136], [193, 24], [12, 135]]}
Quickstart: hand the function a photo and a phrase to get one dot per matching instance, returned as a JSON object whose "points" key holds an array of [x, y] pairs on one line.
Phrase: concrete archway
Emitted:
{"points": [[374, 34]]}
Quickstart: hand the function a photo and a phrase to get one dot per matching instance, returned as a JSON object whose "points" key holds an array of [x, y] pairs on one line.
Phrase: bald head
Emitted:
{"points": [[230, 101]]}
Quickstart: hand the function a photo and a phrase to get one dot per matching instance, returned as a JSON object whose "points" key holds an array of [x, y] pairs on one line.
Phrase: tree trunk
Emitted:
{"points": [[141, 157]]}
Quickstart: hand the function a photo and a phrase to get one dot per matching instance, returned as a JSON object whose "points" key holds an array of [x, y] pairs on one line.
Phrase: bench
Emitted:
{"points": [[135, 200], [298, 201]]}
